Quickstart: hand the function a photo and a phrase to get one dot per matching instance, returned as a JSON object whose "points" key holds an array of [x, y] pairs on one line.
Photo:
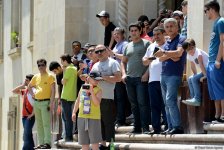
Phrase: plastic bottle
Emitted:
{"points": [[112, 144]]}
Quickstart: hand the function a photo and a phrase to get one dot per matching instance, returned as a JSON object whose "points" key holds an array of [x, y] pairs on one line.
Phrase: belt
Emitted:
{"points": [[41, 100]]}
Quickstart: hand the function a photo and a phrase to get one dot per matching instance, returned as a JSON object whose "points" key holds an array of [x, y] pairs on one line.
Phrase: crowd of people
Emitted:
{"points": [[141, 74]]}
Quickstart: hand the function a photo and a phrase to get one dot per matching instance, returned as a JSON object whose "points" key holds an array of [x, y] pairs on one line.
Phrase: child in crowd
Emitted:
{"points": [[89, 125], [199, 58]]}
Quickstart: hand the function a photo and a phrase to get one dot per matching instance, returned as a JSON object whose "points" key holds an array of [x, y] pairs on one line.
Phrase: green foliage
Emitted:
{"points": [[15, 37]]}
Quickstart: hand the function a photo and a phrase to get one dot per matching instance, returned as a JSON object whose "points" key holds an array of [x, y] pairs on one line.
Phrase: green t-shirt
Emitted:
{"points": [[69, 91], [135, 52]]}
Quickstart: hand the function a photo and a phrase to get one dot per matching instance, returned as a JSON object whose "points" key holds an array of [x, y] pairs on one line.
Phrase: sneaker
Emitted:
{"points": [[145, 130], [101, 147], [218, 120], [45, 146], [38, 147], [192, 102]]}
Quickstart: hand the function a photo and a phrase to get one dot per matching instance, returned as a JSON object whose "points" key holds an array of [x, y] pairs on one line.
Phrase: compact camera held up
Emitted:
{"points": [[86, 86]]}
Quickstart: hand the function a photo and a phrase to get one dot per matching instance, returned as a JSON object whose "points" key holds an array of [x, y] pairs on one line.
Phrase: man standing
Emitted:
{"points": [[173, 59], [109, 69], [55, 67], [215, 69], [104, 18], [28, 118], [44, 83], [68, 95], [154, 87], [135, 75]]}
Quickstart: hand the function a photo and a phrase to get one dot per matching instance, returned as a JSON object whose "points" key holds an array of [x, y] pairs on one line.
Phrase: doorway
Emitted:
{"points": [[13, 123]]}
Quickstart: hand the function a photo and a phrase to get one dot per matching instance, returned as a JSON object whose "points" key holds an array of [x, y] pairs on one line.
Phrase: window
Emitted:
{"points": [[15, 23], [13, 123]]}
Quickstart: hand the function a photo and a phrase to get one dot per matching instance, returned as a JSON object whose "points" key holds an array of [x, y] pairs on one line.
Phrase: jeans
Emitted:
{"points": [[138, 97], [194, 86], [156, 104], [170, 85], [42, 116], [27, 134], [67, 117], [120, 97]]}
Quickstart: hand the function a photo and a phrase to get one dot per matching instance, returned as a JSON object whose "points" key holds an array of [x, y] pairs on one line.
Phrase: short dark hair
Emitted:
{"points": [[188, 43], [213, 4], [66, 57], [135, 24], [143, 18], [29, 76], [54, 65], [42, 60], [184, 3], [77, 42], [159, 29]]}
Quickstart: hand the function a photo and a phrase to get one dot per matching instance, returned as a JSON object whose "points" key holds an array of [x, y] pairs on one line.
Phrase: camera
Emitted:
{"points": [[165, 11], [155, 50], [95, 75], [86, 86]]}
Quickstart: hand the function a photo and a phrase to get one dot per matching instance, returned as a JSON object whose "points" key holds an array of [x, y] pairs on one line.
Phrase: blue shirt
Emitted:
{"points": [[169, 67], [119, 48], [218, 28]]}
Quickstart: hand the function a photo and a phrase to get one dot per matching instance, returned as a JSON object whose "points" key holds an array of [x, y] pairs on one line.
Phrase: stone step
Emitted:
{"points": [[214, 128], [214, 139], [146, 146], [211, 128], [126, 129]]}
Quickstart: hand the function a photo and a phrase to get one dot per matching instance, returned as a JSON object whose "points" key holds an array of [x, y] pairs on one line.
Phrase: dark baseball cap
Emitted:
{"points": [[103, 13]]}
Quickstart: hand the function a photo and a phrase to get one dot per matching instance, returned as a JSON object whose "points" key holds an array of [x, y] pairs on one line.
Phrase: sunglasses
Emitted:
{"points": [[41, 65], [100, 51], [206, 10]]}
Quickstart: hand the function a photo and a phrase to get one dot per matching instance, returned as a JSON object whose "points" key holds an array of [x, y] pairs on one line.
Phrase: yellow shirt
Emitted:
{"points": [[94, 110], [42, 83]]}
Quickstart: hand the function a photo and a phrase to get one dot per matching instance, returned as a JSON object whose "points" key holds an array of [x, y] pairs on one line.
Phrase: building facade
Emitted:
{"points": [[33, 29]]}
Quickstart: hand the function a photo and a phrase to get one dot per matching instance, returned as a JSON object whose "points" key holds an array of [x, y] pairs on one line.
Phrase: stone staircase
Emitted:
{"points": [[198, 136], [214, 139]]}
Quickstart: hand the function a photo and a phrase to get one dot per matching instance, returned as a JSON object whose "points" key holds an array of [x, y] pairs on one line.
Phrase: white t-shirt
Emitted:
{"points": [[155, 68], [107, 68], [197, 53]]}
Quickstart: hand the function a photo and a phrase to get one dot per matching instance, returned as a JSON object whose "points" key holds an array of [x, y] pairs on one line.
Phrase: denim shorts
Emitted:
{"points": [[215, 78]]}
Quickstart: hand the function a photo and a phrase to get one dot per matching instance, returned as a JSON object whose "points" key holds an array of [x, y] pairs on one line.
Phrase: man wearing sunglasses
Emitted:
{"points": [[215, 68], [44, 96], [110, 72]]}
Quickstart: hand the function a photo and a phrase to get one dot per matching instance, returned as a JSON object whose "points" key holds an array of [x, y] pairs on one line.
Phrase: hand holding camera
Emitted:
{"points": [[88, 87]]}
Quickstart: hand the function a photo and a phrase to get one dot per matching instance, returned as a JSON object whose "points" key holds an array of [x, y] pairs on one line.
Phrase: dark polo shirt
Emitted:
{"points": [[169, 67]]}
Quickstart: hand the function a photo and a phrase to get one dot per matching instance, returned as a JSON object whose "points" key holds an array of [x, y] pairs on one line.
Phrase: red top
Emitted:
{"points": [[146, 37], [27, 107]]}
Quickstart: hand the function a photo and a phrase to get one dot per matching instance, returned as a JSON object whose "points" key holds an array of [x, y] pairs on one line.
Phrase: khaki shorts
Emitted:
{"points": [[89, 131]]}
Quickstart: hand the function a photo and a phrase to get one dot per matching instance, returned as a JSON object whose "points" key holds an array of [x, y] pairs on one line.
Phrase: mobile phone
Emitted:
{"points": [[155, 50], [86, 86], [151, 58]]}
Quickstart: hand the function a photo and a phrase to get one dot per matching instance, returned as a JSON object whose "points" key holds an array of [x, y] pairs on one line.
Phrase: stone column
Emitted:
{"points": [[123, 14], [162, 5]]}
